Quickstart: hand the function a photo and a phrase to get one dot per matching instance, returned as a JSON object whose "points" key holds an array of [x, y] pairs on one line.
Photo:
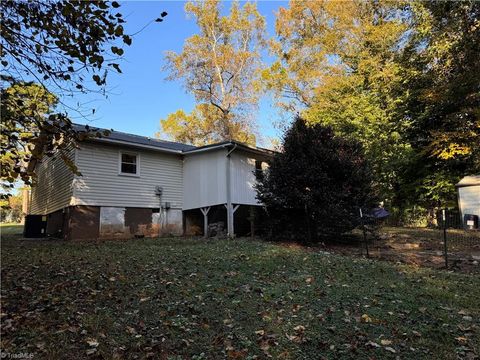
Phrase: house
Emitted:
{"points": [[137, 186], [468, 194]]}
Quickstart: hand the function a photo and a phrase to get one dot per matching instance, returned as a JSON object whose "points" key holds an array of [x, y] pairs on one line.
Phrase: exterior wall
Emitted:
{"points": [[469, 200], [243, 179], [83, 223], [94, 222], [53, 189], [101, 184], [125, 223], [56, 224], [204, 181], [204, 177]]}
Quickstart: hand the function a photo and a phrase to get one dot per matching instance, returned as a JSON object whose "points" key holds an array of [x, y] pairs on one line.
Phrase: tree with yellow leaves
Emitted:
{"points": [[218, 66], [336, 66], [401, 77]]}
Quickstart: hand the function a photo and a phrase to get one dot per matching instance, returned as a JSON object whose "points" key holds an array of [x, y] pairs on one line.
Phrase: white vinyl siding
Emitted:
{"points": [[204, 181], [52, 189], [243, 179], [102, 185]]}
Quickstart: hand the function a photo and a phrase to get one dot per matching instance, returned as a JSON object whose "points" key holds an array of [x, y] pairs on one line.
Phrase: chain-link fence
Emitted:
{"points": [[452, 241]]}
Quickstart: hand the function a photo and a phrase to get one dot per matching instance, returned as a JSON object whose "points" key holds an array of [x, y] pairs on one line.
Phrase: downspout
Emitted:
{"points": [[230, 229]]}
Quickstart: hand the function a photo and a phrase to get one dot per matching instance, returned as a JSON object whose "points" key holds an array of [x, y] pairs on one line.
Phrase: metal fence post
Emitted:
{"points": [[364, 233], [445, 248]]}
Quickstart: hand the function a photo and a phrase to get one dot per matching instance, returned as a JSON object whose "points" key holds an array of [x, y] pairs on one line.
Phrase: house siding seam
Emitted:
{"points": [[101, 184], [53, 187]]}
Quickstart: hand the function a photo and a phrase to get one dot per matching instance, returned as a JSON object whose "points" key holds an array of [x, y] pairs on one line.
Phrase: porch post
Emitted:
{"points": [[230, 218], [205, 220], [230, 229]]}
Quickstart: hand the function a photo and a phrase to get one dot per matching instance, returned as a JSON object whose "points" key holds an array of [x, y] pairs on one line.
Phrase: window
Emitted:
{"points": [[129, 164], [258, 168]]}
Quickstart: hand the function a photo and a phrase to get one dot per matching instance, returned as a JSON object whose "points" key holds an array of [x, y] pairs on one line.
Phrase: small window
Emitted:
{"points": [[128, 163], [258, 168]]}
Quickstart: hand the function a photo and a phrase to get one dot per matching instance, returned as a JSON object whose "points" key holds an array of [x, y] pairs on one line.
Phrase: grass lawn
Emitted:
{"points": [[242, 299], [11, 229]]}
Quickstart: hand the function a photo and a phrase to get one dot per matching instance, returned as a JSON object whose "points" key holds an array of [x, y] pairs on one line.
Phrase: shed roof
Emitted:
{"points": [[471, 180]]}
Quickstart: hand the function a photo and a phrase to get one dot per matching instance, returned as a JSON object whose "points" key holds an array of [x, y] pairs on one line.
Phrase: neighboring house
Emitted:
{"points": [[468, 191], [137, 186]]}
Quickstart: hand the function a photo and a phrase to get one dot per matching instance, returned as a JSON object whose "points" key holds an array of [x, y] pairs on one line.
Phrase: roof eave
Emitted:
{"points": [[228, 144], [136, 145]]}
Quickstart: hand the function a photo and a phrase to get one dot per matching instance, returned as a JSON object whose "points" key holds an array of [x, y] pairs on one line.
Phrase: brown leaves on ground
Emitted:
{"points": [[227, 299]]}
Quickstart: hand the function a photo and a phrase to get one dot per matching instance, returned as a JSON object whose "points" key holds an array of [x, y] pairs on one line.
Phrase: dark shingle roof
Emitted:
{"points": [[137, 139], [170, 146]]}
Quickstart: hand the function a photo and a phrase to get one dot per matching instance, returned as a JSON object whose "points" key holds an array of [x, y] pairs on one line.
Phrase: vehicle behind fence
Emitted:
{"points": [[451, 241]]}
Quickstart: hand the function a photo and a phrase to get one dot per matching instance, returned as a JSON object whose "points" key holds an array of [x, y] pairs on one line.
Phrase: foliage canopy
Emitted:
{"points": [[401, 78], [50, 50], [218, 66], [316, 185]]}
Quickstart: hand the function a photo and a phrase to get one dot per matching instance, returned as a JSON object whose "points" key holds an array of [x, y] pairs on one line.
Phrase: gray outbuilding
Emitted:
{"points": [[468, 191]]}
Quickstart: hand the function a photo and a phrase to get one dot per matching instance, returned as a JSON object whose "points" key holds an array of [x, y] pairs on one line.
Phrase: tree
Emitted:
{"points": [[218, 66], [400, 77], [25, 108], [336, 64], [11, 209], [66, 47], [200, 127], [443, 50], [316, 185]]}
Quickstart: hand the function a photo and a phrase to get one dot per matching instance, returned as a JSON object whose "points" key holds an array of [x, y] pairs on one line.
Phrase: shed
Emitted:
{"points": [[468, 191]]}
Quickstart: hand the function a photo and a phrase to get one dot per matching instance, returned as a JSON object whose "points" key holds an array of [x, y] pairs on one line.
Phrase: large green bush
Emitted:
{"points": [[313, 188]]}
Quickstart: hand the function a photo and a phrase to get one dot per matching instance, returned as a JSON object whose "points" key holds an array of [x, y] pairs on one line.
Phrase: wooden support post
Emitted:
{"points": [[205, 220]]}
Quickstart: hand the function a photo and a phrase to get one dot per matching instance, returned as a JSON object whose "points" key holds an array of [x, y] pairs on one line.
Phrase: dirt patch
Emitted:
{"points": [[420, 247]]}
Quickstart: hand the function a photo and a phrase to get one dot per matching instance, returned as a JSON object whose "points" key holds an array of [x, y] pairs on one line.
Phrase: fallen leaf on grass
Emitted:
{"points": [[464, 328], [366, 319], [385, 342], [92, 342], [299, 328], [131, 330], [235, 354]]}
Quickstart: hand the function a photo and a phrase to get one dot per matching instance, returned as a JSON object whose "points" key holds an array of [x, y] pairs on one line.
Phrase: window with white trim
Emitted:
{"points": [[129, 163]]}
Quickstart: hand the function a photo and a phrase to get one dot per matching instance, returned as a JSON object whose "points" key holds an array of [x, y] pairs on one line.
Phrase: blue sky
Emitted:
{"points": [[140, 96]]}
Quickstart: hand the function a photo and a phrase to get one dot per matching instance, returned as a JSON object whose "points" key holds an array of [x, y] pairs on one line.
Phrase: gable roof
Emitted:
{"points": [[145, 142]]}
